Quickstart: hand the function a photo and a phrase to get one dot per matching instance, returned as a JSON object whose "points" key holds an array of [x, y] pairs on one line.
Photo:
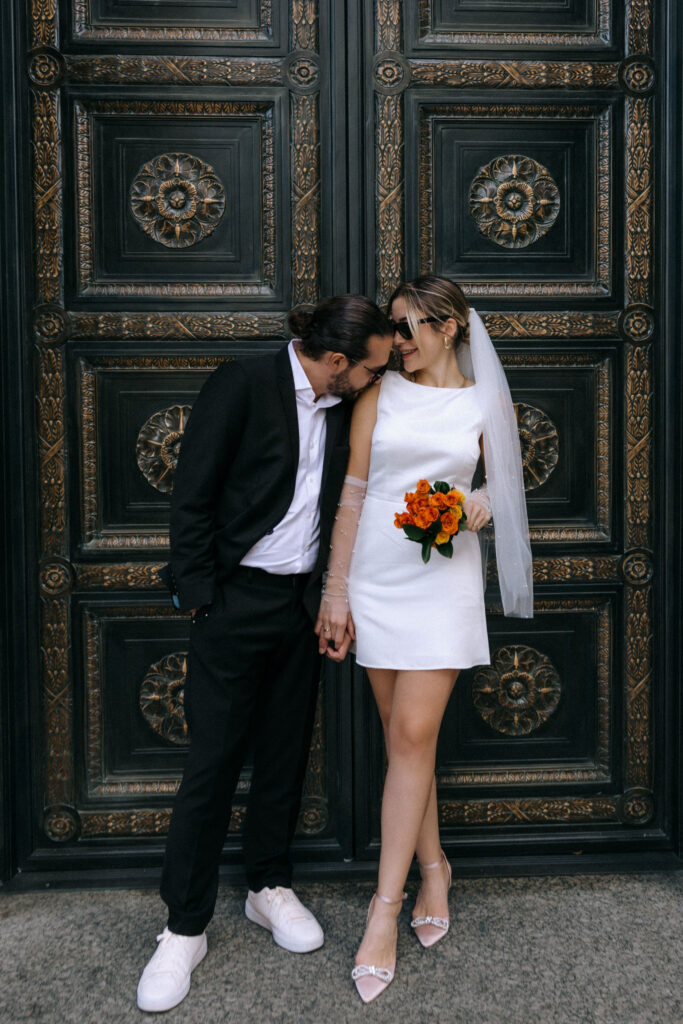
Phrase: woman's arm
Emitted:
{"points": [[334, 625]]}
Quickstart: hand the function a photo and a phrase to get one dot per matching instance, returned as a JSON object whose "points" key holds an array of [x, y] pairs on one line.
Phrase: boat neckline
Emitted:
{"points": [[434, 387]]}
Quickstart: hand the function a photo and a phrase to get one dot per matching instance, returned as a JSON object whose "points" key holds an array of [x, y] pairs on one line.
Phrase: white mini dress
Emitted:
{"points": [[408, 614]]}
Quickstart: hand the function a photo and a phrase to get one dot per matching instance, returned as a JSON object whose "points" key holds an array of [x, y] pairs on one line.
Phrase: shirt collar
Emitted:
{"points": [[302, 383]]}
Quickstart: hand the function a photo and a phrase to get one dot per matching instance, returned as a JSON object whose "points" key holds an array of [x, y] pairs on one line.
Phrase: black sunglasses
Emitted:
{"points": [[376, 374], [404, 328]]}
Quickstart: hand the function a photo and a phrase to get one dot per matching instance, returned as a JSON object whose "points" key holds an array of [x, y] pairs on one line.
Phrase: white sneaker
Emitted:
{"points": [[165, 980], [293, 927]]}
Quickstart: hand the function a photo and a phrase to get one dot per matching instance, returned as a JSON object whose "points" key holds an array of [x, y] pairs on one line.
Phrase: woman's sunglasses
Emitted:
{"points": [[404, 328]]}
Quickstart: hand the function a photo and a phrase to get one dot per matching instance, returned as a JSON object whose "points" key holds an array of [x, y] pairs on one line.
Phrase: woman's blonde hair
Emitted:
{"points": [[434, 296]]}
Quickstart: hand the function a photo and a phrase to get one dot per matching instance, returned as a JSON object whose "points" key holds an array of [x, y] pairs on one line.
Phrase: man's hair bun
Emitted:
{"points": [[299, 322]]}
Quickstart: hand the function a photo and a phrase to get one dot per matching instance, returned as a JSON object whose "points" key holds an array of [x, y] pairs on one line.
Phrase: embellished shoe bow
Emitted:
{"points": [[430, 929], [438, 922], [363, 970]]}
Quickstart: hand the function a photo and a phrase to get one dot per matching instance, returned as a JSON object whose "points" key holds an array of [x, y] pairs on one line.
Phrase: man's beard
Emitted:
{"points": [[341, 388]]}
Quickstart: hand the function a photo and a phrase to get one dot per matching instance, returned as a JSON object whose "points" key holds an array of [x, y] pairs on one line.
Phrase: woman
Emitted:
{"points": [[417, 625]]}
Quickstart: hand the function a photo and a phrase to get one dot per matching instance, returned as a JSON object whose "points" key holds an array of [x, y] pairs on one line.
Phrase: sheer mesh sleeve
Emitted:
{"points": [[335, 582], [481, 496]]}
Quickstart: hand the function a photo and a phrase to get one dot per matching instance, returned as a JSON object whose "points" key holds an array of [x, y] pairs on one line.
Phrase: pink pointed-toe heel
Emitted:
{"points": [[430, 930], [371, 980]]}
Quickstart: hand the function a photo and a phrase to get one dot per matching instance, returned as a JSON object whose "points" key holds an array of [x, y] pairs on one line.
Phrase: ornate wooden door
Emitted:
{"points": [[199, 168], [177, 204], [512, 149]]}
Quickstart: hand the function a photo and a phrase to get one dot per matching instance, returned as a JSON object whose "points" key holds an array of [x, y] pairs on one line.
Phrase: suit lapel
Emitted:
{"points": [[334, 419], [285, 381]]}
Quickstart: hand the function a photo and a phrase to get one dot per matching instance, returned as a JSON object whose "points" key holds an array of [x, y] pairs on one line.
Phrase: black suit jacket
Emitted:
{"points": [[236, 473]]}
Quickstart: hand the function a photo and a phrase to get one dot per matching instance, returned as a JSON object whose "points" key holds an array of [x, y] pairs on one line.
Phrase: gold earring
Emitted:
{"points": [[446, 343]]}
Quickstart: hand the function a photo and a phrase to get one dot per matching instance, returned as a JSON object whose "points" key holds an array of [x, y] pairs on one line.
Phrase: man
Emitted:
{"points": [[261, 466]]}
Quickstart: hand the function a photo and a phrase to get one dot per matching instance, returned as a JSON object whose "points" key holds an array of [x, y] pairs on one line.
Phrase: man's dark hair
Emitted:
{"points": [[340, 324]]}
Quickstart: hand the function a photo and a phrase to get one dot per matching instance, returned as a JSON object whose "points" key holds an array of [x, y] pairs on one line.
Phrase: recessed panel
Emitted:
{"points": [[132, 723], [541, 719], [133, 414], [231, 21], [517, 23], [512, 200], [543, 701], [567, 429], [180, 200], [136, 736]]}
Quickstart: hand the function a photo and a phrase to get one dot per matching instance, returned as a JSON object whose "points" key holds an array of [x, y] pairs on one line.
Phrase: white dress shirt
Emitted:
{"points": [[292, 546]]}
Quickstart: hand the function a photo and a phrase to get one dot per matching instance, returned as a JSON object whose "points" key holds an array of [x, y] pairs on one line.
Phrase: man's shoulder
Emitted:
{"points": [[244, 368]]}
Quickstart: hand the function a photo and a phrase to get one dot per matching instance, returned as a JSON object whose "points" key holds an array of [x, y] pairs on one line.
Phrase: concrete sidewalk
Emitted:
{"points": [[604, 949]]}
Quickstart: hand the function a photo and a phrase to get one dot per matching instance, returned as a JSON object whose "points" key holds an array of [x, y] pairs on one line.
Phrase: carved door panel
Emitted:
{"points": [[513, 151], [177, 217]]}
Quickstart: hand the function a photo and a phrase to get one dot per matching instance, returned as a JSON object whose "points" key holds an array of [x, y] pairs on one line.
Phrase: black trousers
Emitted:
{"points": [[253, 671]]}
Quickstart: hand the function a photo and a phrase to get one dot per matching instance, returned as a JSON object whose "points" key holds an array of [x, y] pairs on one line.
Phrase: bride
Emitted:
{"points": [[416, 625]]}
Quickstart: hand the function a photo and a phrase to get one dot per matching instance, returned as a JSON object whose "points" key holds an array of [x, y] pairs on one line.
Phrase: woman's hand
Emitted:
{"points": [[331, 626], [477, 514]]}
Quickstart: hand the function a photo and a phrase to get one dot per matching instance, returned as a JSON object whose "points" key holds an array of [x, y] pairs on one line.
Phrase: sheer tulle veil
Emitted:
{"points": [[479, 361]]}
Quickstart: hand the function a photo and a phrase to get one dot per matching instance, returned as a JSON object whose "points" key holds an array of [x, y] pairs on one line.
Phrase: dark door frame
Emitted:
{"points": [[18, 648]]}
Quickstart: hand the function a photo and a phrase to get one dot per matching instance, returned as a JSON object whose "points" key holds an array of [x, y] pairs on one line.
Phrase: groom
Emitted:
{"points": [[261, 466]]}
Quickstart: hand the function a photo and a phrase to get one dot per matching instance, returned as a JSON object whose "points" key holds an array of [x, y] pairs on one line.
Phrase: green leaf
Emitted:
{"points": [[413, 532], [442, 486], [445, 549], [426, 549]]}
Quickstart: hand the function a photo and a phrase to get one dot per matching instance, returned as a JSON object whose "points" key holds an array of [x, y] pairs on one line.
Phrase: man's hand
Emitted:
{"points": [[333, 623], [340, 652]]}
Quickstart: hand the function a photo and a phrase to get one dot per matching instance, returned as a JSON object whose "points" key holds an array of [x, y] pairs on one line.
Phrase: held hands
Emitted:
{"points": [[334, 627], [478, 514]]}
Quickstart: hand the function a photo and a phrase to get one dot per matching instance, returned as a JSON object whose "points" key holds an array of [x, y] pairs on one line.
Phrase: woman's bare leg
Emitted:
{"points": [[428, 848], [432, 898], [417, 707]]}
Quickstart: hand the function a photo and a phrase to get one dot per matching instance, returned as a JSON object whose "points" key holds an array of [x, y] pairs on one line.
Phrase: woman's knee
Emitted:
{"points": [[411, 736]]}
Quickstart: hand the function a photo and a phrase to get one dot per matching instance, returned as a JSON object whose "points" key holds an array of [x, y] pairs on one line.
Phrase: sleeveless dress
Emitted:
{"points": [[409, 615]]}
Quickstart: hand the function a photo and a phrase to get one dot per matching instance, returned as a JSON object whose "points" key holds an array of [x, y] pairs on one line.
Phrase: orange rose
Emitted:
{"points": [[425, 517], [449, 523], [438, 500], [413, 508], [454, 498], [423, 487], [409, 496], [402, 519]]}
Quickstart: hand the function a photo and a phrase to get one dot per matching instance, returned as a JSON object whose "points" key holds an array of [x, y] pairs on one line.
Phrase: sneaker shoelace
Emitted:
{"points": [[171, 956], [286, 903]]}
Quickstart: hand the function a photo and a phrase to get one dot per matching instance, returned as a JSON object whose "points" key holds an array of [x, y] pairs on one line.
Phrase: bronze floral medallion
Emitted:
{"points": [[158, 446], [540, 444], [162, 697], [514, 201], [177, 199], [518, 691]]}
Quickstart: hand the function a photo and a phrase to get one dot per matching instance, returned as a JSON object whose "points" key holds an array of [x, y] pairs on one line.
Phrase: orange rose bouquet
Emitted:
{"points": [[433, 518]]}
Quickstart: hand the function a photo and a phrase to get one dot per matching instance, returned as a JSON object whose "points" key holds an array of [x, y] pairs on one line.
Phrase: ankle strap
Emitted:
{"points": [[385, 899], [436, 864]]}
